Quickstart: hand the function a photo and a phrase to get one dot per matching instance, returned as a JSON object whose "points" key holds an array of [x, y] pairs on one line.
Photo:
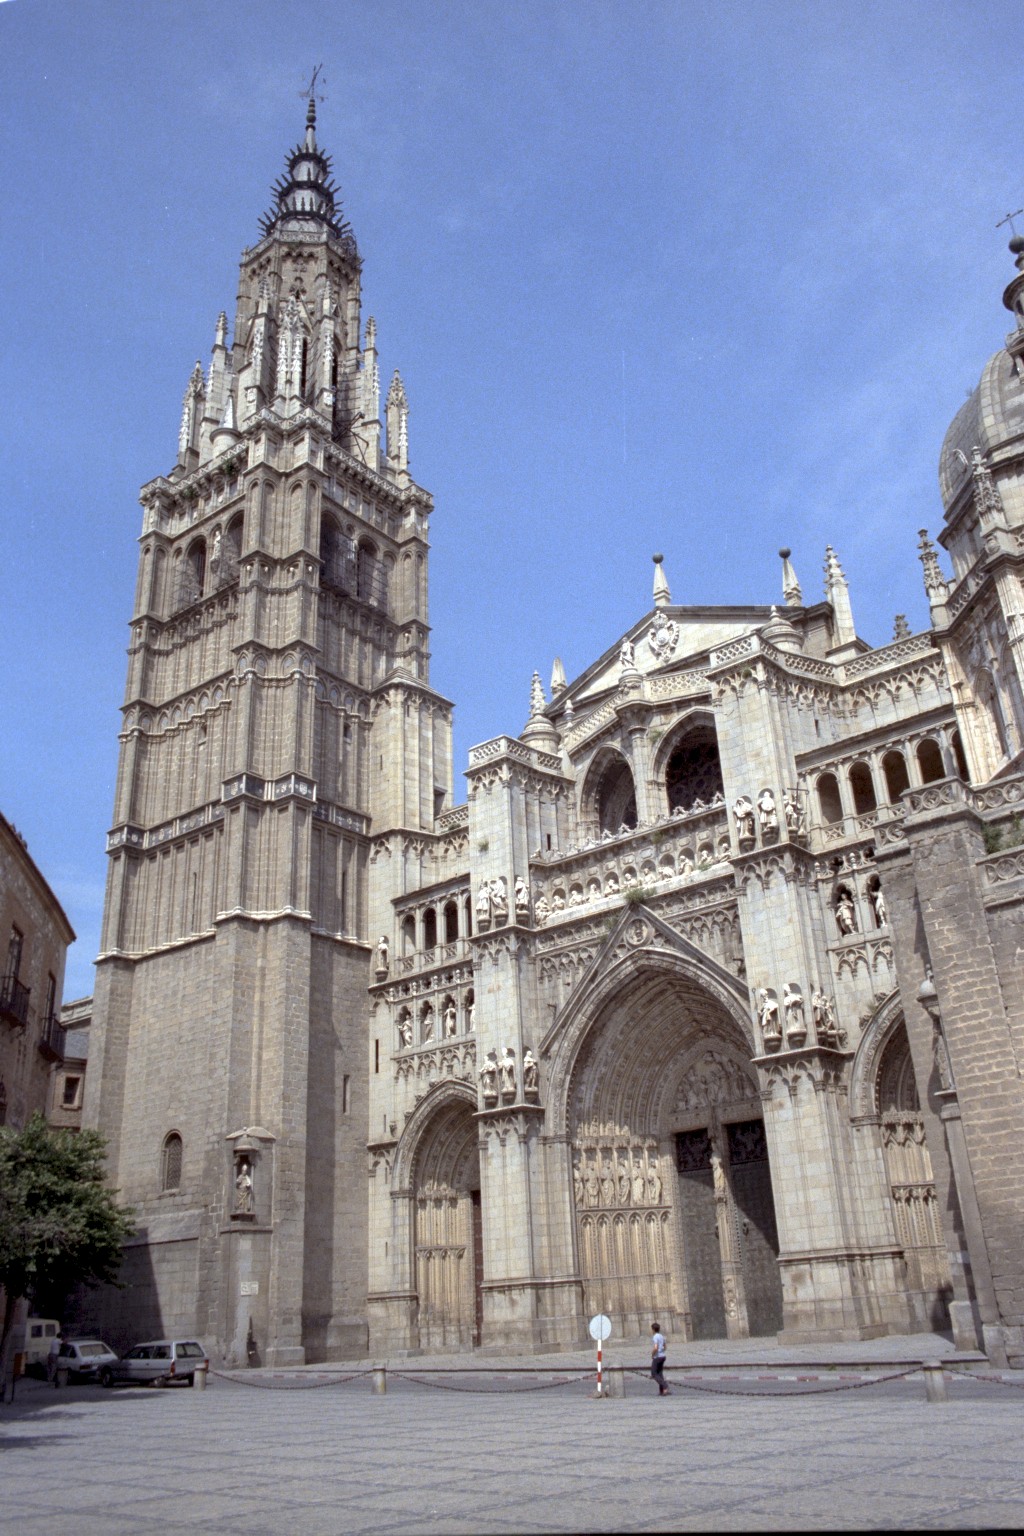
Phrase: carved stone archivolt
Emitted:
{"points": [[715, 1079]]}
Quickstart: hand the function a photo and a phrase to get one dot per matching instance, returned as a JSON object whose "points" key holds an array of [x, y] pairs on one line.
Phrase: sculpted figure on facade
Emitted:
{"points": [[743, 811], [541, 910], [591, 1186], [639, 1183], [607, 1183], [522, 897], [766, 812], [846, 913], [627, 657], [507, 1072], [383, 959], [531, 1074], [878, 902], [427, 1024], [489, 1080], [483, 905], [794, 813], [663, 636], [719, 1180], [451, 1020], [653, 1184], [625, 1183], [793, 1004], [499, 898], [768, 1015], [405, 1032], [243, 1188], [577, 1183]]}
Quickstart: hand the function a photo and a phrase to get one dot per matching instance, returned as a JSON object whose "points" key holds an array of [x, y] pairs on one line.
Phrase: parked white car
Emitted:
{"points": [[85, 1359], [161, 1361]]}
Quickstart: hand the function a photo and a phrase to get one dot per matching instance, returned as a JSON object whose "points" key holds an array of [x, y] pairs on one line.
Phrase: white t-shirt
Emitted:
{"points": [[658, 1345]]}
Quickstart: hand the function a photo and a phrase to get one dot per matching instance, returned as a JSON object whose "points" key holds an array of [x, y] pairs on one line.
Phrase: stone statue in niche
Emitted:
{"points": [[942, 1062], [383, 959], [607, 1184], [794, 813], [625, 1183], [541, 910], [531, 1075], [719, 1180], [404, 1033], [427, 1026], [243, 1188], [818, 1010], [768, 1015], [483, 905], [577, 1184], [471, 1017], [591, 1186], [499, 898], [611, 885], [793, 1004], [627, 656], [558, 901], [878, 902], [451, 1020], [639, 1183], [766, 812], [507, 1072], [489, 1080], [846, 913], [575, 897], [593, 889], [522, 897], [743, 811], [653, 1184]]}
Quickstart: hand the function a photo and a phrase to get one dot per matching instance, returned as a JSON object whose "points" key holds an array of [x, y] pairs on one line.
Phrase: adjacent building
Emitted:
{"points": [[706, 1001]]}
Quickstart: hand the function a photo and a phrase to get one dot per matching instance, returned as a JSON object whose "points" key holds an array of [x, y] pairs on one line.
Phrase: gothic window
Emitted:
{"points": [[829, 802], [862, 789], [69, 1092], [929, 760], [430, 929], [467, 917], [337, 560], [367, 582], [408, 935], [894, 766], [468, 1006], [957, 745], [610, 797], [694, 771], [231, 549], [15, 948], [192, 578], [170, 1163], [451, 922]]}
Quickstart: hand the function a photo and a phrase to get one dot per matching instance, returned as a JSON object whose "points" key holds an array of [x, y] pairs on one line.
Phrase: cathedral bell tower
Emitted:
{"points": [[278, 669]]}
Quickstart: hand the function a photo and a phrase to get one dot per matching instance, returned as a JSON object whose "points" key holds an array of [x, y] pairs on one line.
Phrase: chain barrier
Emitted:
{"points": [[839, 1386], [444, 1386], [292, 1385]]}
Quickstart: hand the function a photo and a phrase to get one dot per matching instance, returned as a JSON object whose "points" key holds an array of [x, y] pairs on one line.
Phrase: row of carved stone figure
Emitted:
{"points": [[500, 1076], [846, 912], [617, 1183], [492, 900], [767, 815], [823, 1014], [449, 1024]]}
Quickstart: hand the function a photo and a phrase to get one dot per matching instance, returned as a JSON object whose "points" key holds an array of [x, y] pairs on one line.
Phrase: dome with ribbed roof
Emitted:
{"points": [[992, 417]]}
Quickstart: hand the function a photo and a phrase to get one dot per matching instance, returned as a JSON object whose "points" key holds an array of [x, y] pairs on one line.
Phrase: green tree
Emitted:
{"points": [[60, 1224]]}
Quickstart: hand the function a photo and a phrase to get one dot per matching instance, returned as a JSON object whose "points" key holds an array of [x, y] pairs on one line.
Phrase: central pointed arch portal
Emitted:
{"points": [[674, 1209]]}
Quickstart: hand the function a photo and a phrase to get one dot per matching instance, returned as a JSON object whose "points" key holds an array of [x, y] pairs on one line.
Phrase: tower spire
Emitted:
{"points": [[790, 585], [838, 594], [662, 595], [305, 195]]}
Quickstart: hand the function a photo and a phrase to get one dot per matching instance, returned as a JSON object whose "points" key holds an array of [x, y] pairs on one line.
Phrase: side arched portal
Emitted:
{"points": [[671, 1181], [446, 1224]]}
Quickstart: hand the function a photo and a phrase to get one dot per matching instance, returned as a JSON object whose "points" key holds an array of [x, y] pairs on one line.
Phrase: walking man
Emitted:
{"points": [[658, 1359], [53, 1355]]}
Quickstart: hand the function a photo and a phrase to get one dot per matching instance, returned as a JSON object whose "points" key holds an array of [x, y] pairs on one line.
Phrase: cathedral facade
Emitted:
{"points": [[705, 1004]]}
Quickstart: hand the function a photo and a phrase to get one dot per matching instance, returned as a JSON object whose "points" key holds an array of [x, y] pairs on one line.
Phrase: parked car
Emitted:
{"points": [[85, 1359], [159, 1362], [38, 1333]]}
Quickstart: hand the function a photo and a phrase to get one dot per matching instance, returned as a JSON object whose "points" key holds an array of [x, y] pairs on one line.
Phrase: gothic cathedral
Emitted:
{"points": [[706, 1004]]}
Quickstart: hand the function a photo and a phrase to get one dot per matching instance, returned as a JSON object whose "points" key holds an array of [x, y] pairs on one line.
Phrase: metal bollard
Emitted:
{"points": [[380, 1380], [199, 1377], [61, 1377], [935, 1386]]}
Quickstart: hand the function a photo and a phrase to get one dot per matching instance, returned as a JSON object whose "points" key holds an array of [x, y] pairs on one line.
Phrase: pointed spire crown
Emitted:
{"points": [[662, 595], [305, 195], [790, 585]]}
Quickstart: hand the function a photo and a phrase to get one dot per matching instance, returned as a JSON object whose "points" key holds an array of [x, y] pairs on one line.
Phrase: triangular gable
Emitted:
{"points": [[664, 641]]}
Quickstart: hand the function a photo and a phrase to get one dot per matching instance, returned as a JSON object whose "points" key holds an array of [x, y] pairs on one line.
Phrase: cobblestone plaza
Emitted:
{"points": [[252, 1462]]}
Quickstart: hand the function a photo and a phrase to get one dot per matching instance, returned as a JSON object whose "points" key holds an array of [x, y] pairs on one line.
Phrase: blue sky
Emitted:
{"points": [[699, 278]]}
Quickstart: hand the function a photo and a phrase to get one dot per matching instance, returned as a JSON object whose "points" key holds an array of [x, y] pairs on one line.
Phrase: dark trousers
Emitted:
{"points": [[658, 1372]]}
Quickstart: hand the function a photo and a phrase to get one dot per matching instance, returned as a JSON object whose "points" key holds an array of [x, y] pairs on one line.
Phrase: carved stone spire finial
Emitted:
{"points": [[398, 423], [790, 586], [900, 628], [537, 699], [838, 594], [662, 595], [558, 679], [935, 584], [539, 731]]}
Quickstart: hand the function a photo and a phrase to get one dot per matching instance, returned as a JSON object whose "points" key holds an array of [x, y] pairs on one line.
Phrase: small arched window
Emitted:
{"points": [[170, 1163], [430, 929], [366, 573], [193, 574], [929, 760], [894, 766], [862, 788], [956, 742], [408, 935], [451, 922], [829, 802], [693, 773]]}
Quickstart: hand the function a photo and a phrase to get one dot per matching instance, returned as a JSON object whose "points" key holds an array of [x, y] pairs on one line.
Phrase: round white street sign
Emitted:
{"points": [[600, 1326]]}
